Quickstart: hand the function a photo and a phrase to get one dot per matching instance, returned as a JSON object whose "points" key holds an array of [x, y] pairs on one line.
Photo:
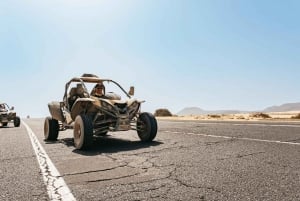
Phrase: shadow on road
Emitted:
{"points": [[8, 126], [108, 144], [4, 126]]}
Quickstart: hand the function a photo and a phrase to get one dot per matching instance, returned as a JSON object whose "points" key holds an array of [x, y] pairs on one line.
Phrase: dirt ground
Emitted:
{"points": [[279, 116]]}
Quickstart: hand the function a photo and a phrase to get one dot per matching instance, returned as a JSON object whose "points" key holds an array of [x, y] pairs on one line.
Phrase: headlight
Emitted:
{"points": [[134, 106], [107, 105]]}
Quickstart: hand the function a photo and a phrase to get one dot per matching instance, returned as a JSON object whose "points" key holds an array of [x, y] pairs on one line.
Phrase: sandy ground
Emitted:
{"points": [[279, 116]]}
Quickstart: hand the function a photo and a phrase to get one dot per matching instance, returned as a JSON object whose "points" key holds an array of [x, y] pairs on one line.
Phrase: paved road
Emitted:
{"points": [[191, 160]]}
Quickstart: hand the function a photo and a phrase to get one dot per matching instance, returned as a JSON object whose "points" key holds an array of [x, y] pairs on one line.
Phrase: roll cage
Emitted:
{"points": [[6, 107], [84, 80]]}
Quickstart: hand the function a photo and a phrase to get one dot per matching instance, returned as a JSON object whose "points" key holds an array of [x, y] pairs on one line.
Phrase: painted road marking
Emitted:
{"points": [[237, 138], [245, 124], [56, 186], [269, 125]]}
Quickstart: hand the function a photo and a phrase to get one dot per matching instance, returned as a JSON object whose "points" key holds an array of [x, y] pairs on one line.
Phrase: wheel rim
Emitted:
{"points": [[78, 133], [143, 128], [46, 128]]}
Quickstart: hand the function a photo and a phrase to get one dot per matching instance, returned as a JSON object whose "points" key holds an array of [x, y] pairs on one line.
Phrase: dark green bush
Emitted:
{"points": [[162, 113], [214, 116], [260, 115], [296, 117]]}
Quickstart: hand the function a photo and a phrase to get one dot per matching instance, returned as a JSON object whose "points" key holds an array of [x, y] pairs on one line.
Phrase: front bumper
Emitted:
{"points": [[123, 123], [4, 118]]}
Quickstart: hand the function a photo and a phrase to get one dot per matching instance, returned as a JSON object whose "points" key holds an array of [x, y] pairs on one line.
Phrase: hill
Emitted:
{"points": [[198, 111], [283, 108], [191, 111]]}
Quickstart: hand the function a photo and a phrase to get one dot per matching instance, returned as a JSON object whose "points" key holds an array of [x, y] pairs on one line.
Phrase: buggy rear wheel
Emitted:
{"points": [[83, 132], [51, 129], [4, 124], [17, 121], [146, 127]]}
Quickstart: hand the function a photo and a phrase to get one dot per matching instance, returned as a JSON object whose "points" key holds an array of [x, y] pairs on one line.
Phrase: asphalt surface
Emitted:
{"points": [[189, 160]]}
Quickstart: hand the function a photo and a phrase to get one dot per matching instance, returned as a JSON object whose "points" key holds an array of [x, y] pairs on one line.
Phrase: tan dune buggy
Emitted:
{"points": [[7, 114], [91, 116]]}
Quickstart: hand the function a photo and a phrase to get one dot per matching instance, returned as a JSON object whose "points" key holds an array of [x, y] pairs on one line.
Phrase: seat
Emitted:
{"points": [[82, 92], [76, 92]]}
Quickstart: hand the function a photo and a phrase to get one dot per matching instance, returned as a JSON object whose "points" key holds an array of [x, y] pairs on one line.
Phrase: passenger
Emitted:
{"points": [[98, 90]]}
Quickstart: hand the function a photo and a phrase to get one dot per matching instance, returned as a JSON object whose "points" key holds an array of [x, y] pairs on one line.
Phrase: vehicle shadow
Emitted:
{"points": [[6, 126], [108, 144]]}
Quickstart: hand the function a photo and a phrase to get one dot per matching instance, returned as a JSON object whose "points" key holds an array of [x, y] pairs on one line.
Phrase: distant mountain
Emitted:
{"points": [[283, 108], [191, 111], [198, 111]]}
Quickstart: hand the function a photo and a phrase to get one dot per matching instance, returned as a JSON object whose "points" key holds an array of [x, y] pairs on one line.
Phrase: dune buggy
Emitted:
{"points": [[90, 116], [7, 114]]}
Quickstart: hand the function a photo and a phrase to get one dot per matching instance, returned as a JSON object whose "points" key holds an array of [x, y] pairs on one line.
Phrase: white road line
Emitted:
{"points": [[237, 138], [56, 186], [270, 125], [244, 124]]}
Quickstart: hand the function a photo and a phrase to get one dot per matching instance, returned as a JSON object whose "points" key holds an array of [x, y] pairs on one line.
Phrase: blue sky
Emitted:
{"points": [[212, 54]]}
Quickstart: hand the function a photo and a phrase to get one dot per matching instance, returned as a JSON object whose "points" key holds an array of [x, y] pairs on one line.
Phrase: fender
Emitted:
{"points": [[55, 111], [80, 105]]}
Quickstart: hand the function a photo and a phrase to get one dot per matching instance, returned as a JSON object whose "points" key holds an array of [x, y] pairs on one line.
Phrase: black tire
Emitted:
{"points": [[83, 132], [51, 129], [4, 124], [17, 121], [146, 127]]}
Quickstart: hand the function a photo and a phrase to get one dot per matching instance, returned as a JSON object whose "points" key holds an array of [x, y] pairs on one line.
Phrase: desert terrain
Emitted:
{"points": [[275, 116]]}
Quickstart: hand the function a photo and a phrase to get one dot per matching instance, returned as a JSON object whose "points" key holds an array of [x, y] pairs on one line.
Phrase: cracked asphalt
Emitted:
{"points": [[191, 160]]}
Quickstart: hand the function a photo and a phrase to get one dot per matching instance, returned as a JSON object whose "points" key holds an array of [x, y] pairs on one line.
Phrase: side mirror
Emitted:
{"points": [[131, 91], [12, 108]]}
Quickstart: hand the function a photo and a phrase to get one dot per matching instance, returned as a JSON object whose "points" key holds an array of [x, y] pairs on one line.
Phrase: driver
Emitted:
{"points": [[2, 108], [98, 90]]}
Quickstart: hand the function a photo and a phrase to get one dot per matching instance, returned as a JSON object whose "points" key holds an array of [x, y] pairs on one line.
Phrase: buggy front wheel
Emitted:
{"points": [[146, 127], [17, 121], [51, 129], [83, 132]]}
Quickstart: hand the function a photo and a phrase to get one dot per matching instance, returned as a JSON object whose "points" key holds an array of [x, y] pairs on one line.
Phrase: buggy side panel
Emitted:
{"points": [[81, 105], [55, 111], [11, 116]]}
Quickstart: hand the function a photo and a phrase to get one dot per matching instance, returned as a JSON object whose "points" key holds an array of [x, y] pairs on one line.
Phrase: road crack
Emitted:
{"points": [[242, 155], [115, 178], [93, 171]]}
